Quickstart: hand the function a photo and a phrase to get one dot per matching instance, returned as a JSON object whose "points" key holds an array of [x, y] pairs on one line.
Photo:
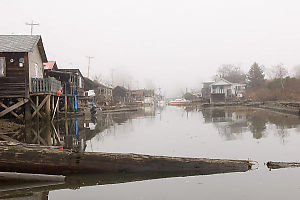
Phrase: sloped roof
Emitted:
{"points": [[49, 65], [120, 88], [94, 83], [222, 81], [73, 71], [18, 43], [22, 43]]}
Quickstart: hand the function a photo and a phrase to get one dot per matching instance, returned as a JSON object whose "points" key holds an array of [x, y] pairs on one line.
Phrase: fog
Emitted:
{"points": [[168, 44]]}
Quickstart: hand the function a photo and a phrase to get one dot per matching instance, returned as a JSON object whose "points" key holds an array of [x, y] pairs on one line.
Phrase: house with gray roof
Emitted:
{"points": [[21, 60], [223, 86], [221, 89]]}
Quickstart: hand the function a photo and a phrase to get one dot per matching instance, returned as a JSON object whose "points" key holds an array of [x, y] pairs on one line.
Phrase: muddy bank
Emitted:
{"points": [[8, 126], [281, 107], [287, 108]]}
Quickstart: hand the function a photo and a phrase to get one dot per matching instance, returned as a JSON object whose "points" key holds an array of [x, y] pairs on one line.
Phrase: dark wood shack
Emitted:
{"points": [[75, 82], [22, 80], [102, 92], [121, 95], [21, 59]]}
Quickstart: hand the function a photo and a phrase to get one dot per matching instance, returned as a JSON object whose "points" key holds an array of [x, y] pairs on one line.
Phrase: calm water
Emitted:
{"points": [[213, 133]]}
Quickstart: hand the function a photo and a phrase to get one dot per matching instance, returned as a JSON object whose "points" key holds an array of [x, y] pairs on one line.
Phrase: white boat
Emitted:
{"points": [[178, 102]]}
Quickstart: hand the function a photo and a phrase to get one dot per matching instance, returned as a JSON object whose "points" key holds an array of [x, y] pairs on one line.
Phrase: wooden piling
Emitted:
{"points": [[66, 127], [48, 109], [66, 104], [27, 112], [53, 103]]}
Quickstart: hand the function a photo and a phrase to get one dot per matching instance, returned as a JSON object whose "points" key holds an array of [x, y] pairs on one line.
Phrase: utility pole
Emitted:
{"points": [[112, 77], [89, 65], [31, 26]]}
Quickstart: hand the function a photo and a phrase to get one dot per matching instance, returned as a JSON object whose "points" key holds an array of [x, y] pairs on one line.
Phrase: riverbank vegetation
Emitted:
{"points": [[264, 84]]}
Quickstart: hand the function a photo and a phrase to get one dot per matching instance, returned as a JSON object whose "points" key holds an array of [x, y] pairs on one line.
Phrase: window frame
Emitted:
{"points": [[4, 67], [36, 70]]}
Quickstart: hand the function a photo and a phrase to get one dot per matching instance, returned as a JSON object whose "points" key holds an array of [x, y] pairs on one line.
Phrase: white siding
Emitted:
{"points": [[35, 63]]}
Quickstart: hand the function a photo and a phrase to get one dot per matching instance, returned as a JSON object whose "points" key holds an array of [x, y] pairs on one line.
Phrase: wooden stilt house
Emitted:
{"points": [[72, 83], [22, 76]]}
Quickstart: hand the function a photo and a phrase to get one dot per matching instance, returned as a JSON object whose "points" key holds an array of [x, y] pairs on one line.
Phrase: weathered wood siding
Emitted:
{"points": [[35, 59], [13, 84]]}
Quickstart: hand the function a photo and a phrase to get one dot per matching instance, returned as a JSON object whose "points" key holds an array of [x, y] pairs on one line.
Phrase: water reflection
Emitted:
{"points": [[74, 133], [40, 190], [191, 132], [232, 122]]}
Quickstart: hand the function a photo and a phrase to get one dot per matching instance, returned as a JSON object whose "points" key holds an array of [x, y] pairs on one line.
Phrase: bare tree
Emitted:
{"points": [[279, 71], [297, 71], [231, 73]]}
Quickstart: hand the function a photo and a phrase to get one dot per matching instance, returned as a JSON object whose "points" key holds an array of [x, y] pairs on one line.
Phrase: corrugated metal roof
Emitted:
{"points": [[18, 43]]}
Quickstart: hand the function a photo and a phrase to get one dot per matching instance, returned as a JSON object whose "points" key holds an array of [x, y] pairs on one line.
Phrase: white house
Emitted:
{"points": [[222, 86]]}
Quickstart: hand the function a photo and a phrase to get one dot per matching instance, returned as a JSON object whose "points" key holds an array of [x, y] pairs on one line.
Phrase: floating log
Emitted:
{"points": [[278, 165], [36, 159], [120, 110], [13, 176]]}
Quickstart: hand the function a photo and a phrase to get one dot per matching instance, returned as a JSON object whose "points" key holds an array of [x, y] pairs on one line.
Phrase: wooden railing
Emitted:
{"points": [[48, 85]]}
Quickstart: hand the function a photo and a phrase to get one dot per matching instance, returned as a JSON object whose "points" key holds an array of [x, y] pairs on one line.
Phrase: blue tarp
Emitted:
{"points": [[75, 100]]}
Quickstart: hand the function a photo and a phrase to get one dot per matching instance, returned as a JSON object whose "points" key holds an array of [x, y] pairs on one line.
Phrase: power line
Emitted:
{"points": [[89, 57], [31, 26]]}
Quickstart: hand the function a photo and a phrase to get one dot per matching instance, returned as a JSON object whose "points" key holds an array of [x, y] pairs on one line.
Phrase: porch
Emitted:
{"points": [[45, 85]]}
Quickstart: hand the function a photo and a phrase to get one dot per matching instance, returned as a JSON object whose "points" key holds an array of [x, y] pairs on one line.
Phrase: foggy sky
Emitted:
{"points": [[170, 44]]}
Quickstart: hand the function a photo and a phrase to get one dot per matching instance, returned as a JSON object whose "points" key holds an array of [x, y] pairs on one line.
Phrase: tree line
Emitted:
{"points": [[278, 86]]}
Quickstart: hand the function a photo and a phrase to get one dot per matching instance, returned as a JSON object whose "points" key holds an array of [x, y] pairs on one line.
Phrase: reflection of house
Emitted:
{"points": [[228, 123]]}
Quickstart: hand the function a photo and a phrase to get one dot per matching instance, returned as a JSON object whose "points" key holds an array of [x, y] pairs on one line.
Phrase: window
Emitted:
{"points": [[36, 69], [221, 90], [80, 82], [2, 66]]}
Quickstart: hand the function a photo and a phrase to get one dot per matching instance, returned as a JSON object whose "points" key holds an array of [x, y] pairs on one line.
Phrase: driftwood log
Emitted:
{"points": [[25, 158], [278, 165]]}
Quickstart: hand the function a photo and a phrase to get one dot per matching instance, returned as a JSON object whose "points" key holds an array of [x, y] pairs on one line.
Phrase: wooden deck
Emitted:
{"points": [[41, 85]]}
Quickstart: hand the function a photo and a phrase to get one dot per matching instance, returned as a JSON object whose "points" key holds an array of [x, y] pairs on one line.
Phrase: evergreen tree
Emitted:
{"points": [[255, 76]]}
